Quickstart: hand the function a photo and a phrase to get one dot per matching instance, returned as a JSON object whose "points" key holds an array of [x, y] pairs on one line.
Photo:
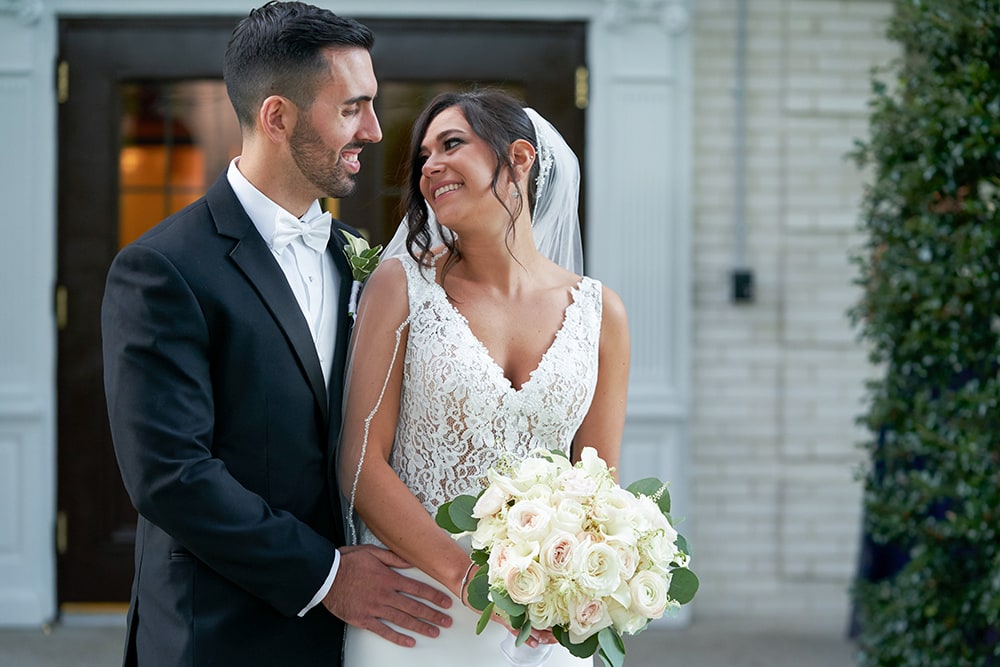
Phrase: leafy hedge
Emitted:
{"points": [[930, 314]]}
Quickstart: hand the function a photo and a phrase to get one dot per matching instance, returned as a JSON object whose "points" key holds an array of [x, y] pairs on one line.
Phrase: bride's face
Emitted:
{"points": [[457, 171]]}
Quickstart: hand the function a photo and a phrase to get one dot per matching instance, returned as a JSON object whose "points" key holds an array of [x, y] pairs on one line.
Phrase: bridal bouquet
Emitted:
{"points": [[563, 546]]}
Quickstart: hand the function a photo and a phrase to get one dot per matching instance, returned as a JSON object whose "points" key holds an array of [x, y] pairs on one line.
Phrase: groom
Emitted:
{"points": [[225, 336]]}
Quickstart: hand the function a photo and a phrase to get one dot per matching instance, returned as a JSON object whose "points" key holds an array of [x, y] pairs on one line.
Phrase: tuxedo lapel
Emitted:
{"points": [[344, 322], [254, 259], [344, 325]]}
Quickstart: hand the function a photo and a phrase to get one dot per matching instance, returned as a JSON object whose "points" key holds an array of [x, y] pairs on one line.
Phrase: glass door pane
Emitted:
{"points": [[176, 137]]}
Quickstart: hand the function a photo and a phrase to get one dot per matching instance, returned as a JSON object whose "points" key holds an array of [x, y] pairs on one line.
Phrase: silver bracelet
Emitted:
{"points": [[465, 580]]}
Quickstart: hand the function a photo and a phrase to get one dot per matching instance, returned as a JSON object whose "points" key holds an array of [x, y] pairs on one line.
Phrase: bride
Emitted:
{"points": [[477, 340]]}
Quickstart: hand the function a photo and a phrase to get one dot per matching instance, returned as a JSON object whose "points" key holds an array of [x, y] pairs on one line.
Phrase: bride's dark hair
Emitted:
{"points": [[496, 118]]}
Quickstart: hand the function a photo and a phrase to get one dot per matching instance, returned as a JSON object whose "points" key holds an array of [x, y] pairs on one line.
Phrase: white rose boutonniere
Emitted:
{"points": [[363, 260]]}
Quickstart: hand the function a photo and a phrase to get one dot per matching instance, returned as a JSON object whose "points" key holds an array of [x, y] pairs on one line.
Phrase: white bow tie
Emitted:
{"points": [[315, 233]]}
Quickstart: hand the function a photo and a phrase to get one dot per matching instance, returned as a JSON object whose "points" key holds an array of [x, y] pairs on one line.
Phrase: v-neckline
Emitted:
{"points": [[574, 292]]}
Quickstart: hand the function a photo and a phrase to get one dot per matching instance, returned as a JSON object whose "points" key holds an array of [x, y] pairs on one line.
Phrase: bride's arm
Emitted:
{"points": [[387, 506], [602, 427]]}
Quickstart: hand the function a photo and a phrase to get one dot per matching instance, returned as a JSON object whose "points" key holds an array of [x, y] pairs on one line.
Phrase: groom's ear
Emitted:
{"points": [[277, 118], [522, 156]]}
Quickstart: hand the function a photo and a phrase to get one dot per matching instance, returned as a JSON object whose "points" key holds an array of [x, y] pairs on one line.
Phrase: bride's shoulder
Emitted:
{"points": [[613, 315], [386, 286]]}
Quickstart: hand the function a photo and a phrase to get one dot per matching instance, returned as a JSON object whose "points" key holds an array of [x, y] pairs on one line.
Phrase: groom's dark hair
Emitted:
{"points": [[278, 50]]}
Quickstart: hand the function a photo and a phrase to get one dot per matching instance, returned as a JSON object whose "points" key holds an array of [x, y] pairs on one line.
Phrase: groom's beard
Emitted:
{"points": [[319, 163]]}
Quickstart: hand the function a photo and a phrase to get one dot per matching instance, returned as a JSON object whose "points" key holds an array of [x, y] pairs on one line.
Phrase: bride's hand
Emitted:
{"points": [[538, 637]]}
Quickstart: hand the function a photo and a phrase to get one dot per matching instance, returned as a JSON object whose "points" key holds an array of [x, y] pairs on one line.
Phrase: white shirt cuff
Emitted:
{"points": [[325, 588]]}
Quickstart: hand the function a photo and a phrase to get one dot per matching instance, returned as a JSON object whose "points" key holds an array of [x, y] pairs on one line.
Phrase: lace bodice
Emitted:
{"points": [[459, 414]]}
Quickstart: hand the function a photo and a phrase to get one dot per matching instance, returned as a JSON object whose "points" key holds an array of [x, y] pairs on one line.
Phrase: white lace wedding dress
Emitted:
{"points": [[458, 416]]}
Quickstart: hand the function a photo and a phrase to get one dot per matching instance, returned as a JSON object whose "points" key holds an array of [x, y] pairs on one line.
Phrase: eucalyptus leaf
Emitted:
{"points": [[653, 488], [683, 585], [443, 519], [522, 634], [583, 650], [484, 618], [479, 591], [612, 647], [460, 511], [505, 604], [682, 544]]}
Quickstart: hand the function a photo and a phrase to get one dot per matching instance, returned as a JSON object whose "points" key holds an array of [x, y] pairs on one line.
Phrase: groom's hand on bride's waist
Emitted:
{"points": [[367, 593]]}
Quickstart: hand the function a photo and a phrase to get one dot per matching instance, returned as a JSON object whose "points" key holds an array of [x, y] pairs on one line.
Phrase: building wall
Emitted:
{"points": [[777, 383]]}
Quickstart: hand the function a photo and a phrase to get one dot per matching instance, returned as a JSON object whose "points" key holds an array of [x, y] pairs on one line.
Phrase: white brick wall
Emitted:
{"points": [[777, 384]]}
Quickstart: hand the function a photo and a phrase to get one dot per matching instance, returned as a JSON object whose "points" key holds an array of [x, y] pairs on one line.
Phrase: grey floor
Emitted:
{"points": [[702, 644]]}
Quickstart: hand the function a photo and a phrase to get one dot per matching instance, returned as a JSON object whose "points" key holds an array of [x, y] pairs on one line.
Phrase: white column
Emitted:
{"points": [[27, 341], [639, 219]]}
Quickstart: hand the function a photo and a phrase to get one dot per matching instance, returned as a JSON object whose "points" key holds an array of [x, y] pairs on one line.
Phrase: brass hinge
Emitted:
{"points": [[582, 87], [62, 81], [62, 533], [62, 307]]}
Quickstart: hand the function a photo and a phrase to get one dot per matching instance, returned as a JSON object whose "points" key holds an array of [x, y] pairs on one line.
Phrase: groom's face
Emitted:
{"points": [[328, 137]]}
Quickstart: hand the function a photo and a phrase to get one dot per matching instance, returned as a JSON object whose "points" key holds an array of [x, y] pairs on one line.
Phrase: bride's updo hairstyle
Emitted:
{"points": [[496, 118]]}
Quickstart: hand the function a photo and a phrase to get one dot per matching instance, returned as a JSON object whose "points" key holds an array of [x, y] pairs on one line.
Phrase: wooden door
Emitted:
{"points": [[145, 128]]}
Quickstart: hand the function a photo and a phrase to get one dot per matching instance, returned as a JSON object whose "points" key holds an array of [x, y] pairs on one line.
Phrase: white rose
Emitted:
{"points": [[649, 594], [488, 531], [527, 585], [528, 521], [508, 555], [549, 611], [658, 550], [540, 492], [592, 464], [556, 555], [628, 557], [624, 620], [575, 483], [650, 517], [587, 617], [532, 471], [491, 502], [617, 514], [569, 516], [598, 568], [505, 483]]}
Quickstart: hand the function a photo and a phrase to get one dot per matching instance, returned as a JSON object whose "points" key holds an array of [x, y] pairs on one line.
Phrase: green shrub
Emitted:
{"points": [[930, 313]]}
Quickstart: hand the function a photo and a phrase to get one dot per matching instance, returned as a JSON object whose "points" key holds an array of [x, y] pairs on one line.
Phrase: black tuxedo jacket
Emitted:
{"points": [[225, 436]]}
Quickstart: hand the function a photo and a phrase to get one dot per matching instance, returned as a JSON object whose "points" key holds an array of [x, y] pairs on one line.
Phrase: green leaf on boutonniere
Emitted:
{"points": [[362, 258]]}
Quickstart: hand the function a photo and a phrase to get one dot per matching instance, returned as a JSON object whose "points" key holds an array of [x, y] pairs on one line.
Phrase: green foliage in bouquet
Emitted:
{"points": [[457, 517], [930, 313]]}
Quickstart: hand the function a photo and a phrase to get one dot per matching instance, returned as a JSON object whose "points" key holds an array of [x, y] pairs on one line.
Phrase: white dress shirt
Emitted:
{"points": [[314, 283]]}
